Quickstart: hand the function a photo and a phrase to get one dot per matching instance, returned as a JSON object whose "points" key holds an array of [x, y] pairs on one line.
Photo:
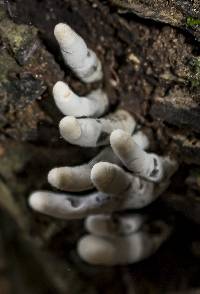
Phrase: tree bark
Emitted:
{"points": [[151, 58]]}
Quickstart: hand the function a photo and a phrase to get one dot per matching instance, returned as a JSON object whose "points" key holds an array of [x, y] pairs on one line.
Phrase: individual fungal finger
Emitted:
{"points": [[83, 61], [147, 165], [110, 178], [94, 105], [120, 250], [141, 140], [97, 250], [53, 204], [89, 132], [114, 225], [71, 178], [69, 206], [77, 178]]}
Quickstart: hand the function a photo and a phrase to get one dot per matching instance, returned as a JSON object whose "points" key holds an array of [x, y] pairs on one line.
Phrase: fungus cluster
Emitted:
{"points": [[116, 235]]}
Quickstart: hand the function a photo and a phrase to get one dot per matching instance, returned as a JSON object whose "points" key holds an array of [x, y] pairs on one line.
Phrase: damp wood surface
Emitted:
{"points": [[151, 61]]}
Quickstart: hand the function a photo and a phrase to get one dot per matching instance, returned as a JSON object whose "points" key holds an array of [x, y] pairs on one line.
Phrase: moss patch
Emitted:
{"points": [[195, 72]]}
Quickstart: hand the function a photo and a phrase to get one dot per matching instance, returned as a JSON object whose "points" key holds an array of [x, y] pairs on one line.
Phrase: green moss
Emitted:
{"points": [[191, 22], [20, 38], [194, 78]]}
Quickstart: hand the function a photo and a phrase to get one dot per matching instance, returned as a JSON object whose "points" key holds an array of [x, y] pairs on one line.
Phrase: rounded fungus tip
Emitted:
{"points": [[36, 201], [70, 128], [118, 138], [61, 89], [102, 173], [96, 250], [54, 177], [64, 33]]}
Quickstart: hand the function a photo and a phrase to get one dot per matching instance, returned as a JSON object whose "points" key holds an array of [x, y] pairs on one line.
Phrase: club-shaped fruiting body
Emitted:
{"points": [[117, 191], [125, 190], [150, 166], [112, 225], [68, 206], [77, 178], [114, 238], [83, 61], [71, 179], [94, 105], [121, 247], [110, 178], [89, 132]]}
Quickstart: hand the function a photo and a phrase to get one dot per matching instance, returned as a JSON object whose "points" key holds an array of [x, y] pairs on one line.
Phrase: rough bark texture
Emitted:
{"points": [[151, 59], [178, 13]]}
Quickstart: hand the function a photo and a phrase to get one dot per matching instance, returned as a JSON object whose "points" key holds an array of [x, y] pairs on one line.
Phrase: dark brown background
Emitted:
{"points": [[150, 54]]}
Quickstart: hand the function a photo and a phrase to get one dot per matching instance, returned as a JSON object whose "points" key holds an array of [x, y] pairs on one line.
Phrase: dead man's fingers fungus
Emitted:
{"points": [[120, 248], [114, 238], [82, 61], [69, 103], [89, 132], [77, 178]]}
